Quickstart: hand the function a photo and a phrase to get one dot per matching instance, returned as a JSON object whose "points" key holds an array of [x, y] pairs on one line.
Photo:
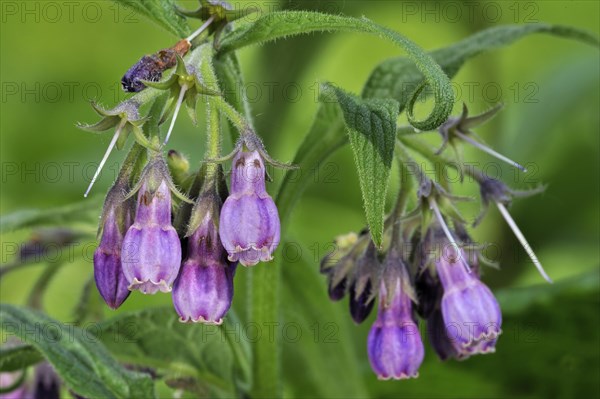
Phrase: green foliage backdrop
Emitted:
{"points": [[52, 65]]}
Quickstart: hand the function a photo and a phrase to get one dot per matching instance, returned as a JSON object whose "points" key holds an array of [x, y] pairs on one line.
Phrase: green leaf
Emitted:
{"points": [[82, 362], [398, 77], [162, 12], [60, 216], [155, 338], [18, 357], [276, 25], [371, 126]]}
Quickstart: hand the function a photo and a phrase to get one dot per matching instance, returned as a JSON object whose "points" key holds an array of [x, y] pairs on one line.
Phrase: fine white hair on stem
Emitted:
{"points": [[111, 145], [436, 210], [200, 29], [490, 151], [522, 240], [177, 108]]}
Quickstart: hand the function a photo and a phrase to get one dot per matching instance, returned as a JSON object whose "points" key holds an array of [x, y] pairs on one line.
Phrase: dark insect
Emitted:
{"points": [[151, 67]]}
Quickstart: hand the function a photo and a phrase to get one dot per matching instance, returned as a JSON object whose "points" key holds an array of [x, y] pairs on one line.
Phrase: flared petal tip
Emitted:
{"points": [[201, 319], [482, 339], [251, 255], [401, 376], [149, 287]]}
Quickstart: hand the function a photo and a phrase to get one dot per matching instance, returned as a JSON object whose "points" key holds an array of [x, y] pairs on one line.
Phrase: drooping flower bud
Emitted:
{"points": [[470, 311], [151, 254], [249, 225], [438, 337], [339, 264], [108, 270], [363, 284], [46, 382], [117, 217], [203, 290], [394, 345]]}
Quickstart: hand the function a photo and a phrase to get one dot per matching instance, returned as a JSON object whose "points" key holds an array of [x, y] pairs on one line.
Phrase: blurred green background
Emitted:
{"points": [[56, 56]]}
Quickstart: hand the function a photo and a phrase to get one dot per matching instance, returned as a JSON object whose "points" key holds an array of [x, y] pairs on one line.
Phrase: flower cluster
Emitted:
{"points": [[429, 277], [428, 267], [140, 249], [163, 227]]}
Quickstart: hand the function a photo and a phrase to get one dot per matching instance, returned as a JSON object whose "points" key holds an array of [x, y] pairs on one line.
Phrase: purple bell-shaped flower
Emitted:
{"points": [[204, 289], [151, 254], [470, 312], [249, 224], [394, 345]]}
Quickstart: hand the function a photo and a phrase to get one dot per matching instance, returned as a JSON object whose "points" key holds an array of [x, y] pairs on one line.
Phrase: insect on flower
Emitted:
{"points": [[151, 67]]}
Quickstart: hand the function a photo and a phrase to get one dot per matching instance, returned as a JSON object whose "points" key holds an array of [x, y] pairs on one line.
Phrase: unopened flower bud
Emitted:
{"points": [[362, 294], [117, 217]]}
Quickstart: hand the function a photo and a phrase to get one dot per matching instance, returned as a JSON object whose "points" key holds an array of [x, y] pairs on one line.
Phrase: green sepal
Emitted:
{"points": [[101, 126]]}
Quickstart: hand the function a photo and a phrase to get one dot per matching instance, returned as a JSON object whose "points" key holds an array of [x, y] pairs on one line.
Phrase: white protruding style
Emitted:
{"points": [[522, 240], [112, 144], [200, 29], [177, 108], [490, 151], [436, 210]]}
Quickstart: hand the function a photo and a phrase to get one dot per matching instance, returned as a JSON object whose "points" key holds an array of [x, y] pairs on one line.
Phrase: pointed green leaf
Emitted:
{"points": [[162, 12], [371, 126], [80, 360], [398, 77], [18, 357]]}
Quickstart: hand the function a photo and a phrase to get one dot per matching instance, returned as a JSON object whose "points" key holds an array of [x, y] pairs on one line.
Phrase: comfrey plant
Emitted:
{"points": [[430, 267], [194, 232]]}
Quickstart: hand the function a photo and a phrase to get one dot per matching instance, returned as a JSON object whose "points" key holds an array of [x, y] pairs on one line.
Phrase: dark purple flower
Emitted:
{"points": [[470, 311], [151, 254], [438, 337], [108, 271], [46, 382], [204, 289], [361, 304], [249, 223], [338, 291], [361, 292], [394, 345]]}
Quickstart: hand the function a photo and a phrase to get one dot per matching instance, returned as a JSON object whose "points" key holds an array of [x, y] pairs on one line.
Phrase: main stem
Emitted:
{"points": [[213, 136], [263, 294]]}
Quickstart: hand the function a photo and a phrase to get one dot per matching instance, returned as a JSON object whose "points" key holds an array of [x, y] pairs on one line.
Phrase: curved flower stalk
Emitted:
{"points": [[249, 222], [151, 254]]}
